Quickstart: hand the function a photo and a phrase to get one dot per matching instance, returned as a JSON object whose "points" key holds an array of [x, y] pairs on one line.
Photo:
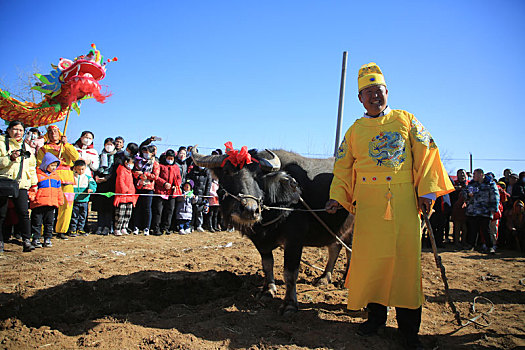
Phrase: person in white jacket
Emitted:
{"points": [[84, 146]]}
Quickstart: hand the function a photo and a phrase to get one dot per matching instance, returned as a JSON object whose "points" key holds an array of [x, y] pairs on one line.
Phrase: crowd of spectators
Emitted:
{"points": [[485, 212], [132, 189]]}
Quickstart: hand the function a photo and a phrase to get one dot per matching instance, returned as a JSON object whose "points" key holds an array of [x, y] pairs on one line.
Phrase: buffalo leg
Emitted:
{"points": [[269, 288], [345, 233], [333, 254], [292, 260]]}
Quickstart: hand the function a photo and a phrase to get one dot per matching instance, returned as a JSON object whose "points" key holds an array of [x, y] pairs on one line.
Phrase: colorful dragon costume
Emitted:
{"points": [[63, 89]]}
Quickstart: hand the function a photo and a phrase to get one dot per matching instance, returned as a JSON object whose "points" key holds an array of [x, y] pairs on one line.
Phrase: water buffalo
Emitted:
{"points": [[279, 179]]}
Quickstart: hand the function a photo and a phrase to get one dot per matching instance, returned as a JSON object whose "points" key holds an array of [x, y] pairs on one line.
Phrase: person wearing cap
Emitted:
{"points": [[56, 143], [387, 169]]}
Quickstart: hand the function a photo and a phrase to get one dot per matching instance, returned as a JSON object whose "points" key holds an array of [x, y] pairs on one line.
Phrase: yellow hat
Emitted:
{"points": [[370, 74]]}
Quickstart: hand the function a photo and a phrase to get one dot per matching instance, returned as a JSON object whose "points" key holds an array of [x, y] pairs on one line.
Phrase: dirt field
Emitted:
{"points": [[199, 292]]}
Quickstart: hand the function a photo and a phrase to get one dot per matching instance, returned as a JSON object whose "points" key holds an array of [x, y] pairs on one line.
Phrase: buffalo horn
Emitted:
{"points": [[207, 161], [270, 165]]}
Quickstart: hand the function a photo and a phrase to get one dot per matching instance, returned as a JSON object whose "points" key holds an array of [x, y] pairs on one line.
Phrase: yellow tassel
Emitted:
{"points": [[388, 212]]}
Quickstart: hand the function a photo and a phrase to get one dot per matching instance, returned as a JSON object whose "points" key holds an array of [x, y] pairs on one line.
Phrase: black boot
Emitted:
{"points": [[408, 322], [27, 246], [377, 315]]}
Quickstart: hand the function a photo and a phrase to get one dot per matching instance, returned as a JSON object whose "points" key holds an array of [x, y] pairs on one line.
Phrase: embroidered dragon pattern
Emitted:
{"points": [[388, 149], [421, 134]]}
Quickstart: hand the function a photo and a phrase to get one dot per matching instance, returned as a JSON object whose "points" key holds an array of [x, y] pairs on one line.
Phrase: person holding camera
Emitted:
{"points": [[16, 163]]}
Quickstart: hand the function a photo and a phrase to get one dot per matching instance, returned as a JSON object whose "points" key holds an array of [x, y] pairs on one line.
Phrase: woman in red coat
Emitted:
{"points": [[124, 199], [167, 186]]}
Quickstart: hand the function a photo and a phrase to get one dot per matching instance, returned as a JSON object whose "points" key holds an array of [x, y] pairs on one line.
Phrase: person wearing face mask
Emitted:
{"points": [[182, 162], [168, 186], [124, 201], [57, 144], [84, 147], [145, 173], [34, 140], [202, 179], [15, 160], [102, 204]]}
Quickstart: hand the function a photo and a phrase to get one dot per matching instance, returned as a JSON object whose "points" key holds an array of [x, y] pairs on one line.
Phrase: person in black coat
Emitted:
{"points": [[202, 180]]}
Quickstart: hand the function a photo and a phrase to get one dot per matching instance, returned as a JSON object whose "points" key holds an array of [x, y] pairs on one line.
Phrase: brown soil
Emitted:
{"points": [[198, 292]]}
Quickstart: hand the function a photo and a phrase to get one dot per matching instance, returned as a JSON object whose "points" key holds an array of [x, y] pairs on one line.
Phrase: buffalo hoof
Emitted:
{"points": [[287, 309], [267, 293], [322, 281]]}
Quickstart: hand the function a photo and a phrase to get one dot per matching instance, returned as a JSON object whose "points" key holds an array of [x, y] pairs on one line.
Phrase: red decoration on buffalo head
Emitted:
{"points": [[236, 157]]}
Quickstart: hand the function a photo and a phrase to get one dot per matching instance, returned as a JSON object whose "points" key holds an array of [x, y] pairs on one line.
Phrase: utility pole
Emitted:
{"points": [[341, 104], [470, 163]]}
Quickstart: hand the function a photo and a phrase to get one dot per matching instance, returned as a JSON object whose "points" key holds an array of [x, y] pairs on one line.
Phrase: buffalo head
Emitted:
{"points": [[248, 187]]}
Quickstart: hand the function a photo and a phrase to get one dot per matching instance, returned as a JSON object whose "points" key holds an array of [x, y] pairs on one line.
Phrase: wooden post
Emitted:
{"points": [[341, 104]]}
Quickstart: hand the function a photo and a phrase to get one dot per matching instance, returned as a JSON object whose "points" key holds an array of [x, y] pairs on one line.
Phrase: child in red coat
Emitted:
{"points": [[124, 199]]}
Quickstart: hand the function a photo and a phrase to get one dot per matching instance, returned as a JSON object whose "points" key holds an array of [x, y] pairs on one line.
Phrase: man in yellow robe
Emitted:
{"points": [[57, 144], [386, 170]]}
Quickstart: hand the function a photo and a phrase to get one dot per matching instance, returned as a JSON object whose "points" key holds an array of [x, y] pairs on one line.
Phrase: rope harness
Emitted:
{"points": [[241, 198]]}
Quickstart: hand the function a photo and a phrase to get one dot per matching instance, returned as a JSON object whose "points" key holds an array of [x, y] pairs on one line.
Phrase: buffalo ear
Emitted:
{"points": [[281, 188], [290, 181]]}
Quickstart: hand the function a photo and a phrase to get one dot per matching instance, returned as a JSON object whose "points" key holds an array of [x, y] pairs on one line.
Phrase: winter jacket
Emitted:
{"points": [[485, 199], [214, 200], [68, 156], [168, 174], [183, 167], [518, 191], [49, 187], [148, 167], [90, 156], [124, 185], [202, 179], [458, 200], [105, 163], [184, 208], [83, 183], [10, 169]]}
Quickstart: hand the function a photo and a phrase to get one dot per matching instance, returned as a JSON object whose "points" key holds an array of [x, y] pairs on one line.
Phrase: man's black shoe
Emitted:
{"points": [[411, 342], [369, 328], [157, 233], [27, 246], [62, 236]]}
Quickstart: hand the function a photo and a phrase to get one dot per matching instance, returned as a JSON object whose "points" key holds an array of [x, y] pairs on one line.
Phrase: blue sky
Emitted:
{"points": [[266, 74]]}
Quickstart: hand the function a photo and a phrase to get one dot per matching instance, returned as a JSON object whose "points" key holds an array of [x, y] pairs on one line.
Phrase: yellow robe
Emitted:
{"points": [[68, 156], [382, 166]]}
